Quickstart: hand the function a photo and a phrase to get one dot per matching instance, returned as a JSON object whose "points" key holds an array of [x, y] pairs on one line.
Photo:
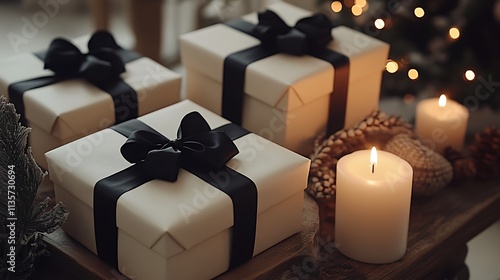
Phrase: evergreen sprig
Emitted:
{"points": [[31, 221]]}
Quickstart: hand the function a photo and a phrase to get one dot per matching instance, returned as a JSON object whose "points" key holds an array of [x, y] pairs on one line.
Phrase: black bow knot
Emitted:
{"points": [[99, 65], [310, 32], [196, 144]]}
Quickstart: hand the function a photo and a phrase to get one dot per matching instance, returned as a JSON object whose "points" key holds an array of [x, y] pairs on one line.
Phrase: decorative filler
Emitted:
{"points": [[483, 160], [23, 223], [432, 172]]}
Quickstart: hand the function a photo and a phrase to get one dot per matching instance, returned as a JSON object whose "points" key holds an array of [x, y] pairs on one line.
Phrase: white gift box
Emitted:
{"points": [[62, 112], [178, 230], [286, 97]]}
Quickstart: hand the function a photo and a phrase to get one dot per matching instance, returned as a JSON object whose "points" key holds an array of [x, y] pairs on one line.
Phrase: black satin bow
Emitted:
{"points": [[196, 144], [100, 64], [310, 32]]}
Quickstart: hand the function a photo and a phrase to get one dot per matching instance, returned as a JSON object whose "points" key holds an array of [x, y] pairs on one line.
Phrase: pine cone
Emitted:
{"points": [[375, 130], [485, 151], [452, 155], [463, 168]]}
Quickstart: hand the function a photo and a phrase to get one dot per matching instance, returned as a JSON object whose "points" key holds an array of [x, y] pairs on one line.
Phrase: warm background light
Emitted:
{"points": [[356, 10], [361, 3], [442, 100], [413, 74], [391, 66], [379, 23], [336, 6], [454, 33], [470, 75], [419, 12]]}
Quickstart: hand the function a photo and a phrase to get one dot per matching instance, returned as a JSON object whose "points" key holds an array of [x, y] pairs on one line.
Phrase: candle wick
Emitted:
{"points": [[373, 167]]}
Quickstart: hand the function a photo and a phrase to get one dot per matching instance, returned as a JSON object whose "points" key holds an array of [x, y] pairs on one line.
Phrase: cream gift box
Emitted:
{"points": [[178, 230], [286, 97], [68, 109]]}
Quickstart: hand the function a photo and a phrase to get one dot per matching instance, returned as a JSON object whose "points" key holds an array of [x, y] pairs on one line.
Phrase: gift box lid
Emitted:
{"points": [[282, 81], [75, 106], [173, 217]]}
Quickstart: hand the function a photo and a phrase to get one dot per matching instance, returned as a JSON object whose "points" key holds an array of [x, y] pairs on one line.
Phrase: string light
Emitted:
{"points": [[419, 12], [470, 75], [413, 74], [356, 10], [391, 66], [336, 6], [379, 23], [361, 3], [454, 33]]}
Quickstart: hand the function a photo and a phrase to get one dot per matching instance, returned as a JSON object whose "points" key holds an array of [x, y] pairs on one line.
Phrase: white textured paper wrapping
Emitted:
{"points": [[62, 112], [173, 221], [285, 83]]}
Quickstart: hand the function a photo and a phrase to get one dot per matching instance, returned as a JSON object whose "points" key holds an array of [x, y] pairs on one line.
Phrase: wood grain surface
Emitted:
{"points": [[440, 227]]}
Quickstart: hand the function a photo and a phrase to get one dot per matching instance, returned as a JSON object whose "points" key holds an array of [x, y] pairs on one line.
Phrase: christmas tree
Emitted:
{"points": [[437, 47]]}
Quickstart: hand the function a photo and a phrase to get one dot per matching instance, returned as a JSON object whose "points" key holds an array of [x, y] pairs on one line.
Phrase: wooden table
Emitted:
{"points": [[440, 227]]}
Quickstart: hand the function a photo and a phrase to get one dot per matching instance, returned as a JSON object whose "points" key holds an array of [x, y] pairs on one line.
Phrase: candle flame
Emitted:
{"points": [[373, 159], [442, 100]]}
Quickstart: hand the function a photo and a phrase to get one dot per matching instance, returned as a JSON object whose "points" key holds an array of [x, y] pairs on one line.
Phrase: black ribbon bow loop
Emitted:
{"points": [[196, 144], [101, 64], [310, 32], [318, 29]]}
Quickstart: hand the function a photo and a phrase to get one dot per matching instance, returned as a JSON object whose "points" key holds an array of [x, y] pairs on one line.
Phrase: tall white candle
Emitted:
{"points": [[441, 123], [372, 208]]}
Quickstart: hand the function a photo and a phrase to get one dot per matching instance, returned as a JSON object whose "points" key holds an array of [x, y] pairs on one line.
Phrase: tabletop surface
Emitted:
{"points": [[439, 226]]}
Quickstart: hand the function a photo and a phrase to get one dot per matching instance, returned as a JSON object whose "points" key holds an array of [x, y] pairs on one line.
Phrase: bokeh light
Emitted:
{"points": [[391, 66], [356, 10], [419, 12], [361, 3], [413, 74], [379, 23], [454, 33], [336, 6], [470, 75]]}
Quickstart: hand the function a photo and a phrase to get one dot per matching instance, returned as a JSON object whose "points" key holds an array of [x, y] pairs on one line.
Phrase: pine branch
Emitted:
{"points": [[20, 177]]}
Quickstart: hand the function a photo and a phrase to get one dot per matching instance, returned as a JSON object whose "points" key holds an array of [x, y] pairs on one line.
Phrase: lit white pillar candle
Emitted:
{"points": [[441, 123], [372, 206]]}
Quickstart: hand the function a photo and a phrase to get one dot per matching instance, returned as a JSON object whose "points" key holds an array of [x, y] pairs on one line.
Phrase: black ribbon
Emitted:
{"points": [[198, 149], [309, 36], [101, 66]]}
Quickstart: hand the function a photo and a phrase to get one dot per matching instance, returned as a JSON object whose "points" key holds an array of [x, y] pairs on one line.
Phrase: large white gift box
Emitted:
{"points": [[286, 97], [181, 229], [71, 108]]}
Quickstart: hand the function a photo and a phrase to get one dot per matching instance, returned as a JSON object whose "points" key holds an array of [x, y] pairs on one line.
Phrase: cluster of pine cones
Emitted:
{"points": [[483, 158], [432, 171]]}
